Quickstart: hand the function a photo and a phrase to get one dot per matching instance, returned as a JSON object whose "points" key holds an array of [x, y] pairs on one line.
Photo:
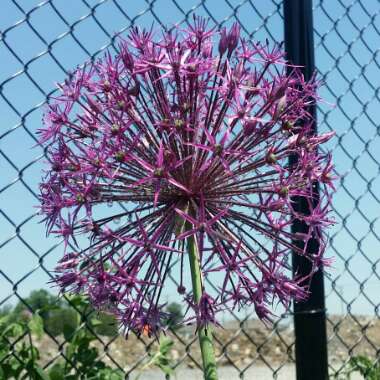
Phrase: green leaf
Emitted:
{"points": [[4, 320], [165, 345], [160, 359], [8, 371], [110, 374], [39, 373], [362, 364], [96, 322], [12, 330], [87, 356], [16, 369], [71, 377], [36, 325], [69, 332], [77, 301], [57, 372], [70, 351]]}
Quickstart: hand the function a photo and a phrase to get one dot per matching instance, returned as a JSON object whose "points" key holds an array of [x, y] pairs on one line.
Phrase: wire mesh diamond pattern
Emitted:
{"points": [[42, 41], [348, 63]]}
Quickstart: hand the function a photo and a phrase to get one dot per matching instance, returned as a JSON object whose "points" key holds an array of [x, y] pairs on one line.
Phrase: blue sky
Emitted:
{"points": [[38, 45]]}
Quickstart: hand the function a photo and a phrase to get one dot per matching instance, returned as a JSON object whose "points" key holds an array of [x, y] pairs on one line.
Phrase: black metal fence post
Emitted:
{"points": [[310, 316]]}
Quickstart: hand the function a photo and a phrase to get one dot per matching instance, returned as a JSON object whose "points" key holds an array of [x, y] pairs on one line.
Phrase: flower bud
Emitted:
{"points": [[249, 127], [120, 105], [106, 86], [93, 105], [218, 149], [119, 156], [280, 106], [271, 158], [287, 126], [233, 37], [158, 173], [56, 167], [284, 192], [223, 43], [181, 289], [80, 198], [178, 123], [115, 129], [127, 60], [134, 90], [207, 50]]}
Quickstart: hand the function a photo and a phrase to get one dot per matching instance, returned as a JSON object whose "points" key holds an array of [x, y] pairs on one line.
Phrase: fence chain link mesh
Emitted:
{"points": [[41, 41]]}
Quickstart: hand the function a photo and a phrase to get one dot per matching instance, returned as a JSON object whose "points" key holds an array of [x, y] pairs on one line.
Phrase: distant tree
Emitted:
{"points": [[49, 307], [60, 320], [175, 315], [5, 310], [58, 315], [40, 300]]}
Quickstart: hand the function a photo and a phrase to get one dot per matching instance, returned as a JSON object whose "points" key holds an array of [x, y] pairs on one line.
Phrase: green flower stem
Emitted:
{"points": [[204, 333]]}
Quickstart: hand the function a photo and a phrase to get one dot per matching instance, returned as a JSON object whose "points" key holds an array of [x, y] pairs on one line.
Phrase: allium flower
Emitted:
{"points": [[192, 137]]}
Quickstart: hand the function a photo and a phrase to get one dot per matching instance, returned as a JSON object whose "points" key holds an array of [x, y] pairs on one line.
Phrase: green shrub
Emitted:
{"points": [[175, 315], [57, 314], [370, 370], [17, 337], [59, 319], [108, 325], [40, 300]]}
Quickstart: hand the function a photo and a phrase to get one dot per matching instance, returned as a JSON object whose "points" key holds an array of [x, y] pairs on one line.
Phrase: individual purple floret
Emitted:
{"points": [[192, 136]]}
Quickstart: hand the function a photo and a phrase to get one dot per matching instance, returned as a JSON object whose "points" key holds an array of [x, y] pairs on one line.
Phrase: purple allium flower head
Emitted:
{"points": [[193, 144]]}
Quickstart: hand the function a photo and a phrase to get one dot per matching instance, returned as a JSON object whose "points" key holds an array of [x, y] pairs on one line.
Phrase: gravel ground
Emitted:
{"points": [[253, 346], [229, 373]]}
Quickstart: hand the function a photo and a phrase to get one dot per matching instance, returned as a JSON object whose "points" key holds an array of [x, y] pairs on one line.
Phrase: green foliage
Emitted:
{"points": [[77, 321], [58, 314], [175, 315], [5, 310], [79, 352], [18, 357], [161, 357], [108, 325], [100, 322], [40, 300], [36, 325], [58, 319], [370, 370]]}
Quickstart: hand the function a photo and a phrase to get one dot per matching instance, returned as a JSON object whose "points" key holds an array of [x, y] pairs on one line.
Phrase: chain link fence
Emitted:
{"points": [[42, 41]]}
